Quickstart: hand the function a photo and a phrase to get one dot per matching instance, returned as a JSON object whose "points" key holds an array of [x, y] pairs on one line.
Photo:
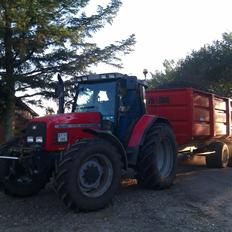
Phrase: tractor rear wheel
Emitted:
{"points": [[158, 159], [88, 175], [220, 158]]}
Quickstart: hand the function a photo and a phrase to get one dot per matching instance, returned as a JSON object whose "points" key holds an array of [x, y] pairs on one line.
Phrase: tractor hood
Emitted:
{"points": [[71, 118], [57, 132]]}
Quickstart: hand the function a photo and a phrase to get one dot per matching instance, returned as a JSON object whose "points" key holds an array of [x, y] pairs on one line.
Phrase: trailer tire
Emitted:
{"points": [[221, 157], [158, 159], [88, 175], [230, 151]]}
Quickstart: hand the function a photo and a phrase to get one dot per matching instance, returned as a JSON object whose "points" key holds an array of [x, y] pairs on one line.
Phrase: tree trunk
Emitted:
{"points": [[8, 117], [9, 89]]}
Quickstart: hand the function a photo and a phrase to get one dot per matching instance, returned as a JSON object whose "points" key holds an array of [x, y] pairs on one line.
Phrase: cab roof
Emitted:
{"points": [[110, 76]]}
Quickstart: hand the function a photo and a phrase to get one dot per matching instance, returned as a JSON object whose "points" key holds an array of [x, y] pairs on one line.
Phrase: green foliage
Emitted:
{"points": [[40, 38], [160, 78], [49, 110], [210, 67]]}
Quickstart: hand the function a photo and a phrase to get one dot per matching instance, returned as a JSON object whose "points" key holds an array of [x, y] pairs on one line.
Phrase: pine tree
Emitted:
{"points": [[39, 38]]}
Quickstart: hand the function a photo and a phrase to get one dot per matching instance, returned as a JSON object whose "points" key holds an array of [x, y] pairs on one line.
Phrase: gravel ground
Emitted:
{"points": [[199, 200]]}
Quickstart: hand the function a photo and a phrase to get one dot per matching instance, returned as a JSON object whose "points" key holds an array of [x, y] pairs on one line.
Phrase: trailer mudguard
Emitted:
{"points": [[113, 140], [138, 135]]}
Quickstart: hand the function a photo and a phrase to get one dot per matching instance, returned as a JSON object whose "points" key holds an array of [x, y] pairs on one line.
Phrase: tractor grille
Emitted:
{"points": [[34, 131]]}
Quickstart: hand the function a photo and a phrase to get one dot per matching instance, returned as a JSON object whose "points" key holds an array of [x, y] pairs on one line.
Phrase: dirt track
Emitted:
{"points": [[200, 200]]}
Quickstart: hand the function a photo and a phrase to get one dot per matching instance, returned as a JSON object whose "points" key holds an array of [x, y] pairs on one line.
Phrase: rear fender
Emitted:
{"points": [[113, 140], [139, 133]]}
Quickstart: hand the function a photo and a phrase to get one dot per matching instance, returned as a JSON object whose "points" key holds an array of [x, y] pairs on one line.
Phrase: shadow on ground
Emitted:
{"points": [[199, 200]]}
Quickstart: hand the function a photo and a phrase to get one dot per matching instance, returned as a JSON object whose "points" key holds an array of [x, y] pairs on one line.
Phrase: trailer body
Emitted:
{"points": [[194, 115]]}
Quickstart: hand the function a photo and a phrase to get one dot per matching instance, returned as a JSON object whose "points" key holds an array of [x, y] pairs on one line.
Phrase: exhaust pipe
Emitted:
{"points": [[60, 94]]}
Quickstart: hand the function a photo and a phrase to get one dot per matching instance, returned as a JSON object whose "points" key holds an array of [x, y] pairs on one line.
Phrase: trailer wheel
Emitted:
{"points": [[221, 157], [230, 151], [158, 159], [88, 175]]}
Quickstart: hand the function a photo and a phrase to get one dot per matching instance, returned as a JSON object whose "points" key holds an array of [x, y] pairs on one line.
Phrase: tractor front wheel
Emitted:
{"points": [[21, 178], [88, 175], [21, 181], [157, 162]]}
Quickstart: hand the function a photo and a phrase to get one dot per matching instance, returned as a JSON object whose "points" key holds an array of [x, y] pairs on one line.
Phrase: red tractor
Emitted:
{"points": [[88, 150]]}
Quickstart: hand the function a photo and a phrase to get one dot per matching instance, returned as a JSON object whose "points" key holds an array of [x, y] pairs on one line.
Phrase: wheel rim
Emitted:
{"points": [[164, 158], [95, 175], [225, 157]]}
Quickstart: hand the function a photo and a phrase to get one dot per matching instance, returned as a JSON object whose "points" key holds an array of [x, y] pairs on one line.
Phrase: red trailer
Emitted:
{"points": [[201, 121]]}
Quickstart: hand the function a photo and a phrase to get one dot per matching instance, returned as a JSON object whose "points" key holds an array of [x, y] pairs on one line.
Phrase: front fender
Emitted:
{"points": [[113, 140]]}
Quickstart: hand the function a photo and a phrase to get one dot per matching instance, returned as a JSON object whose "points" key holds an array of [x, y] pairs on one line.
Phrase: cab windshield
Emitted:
{"points": [[97, 97]]}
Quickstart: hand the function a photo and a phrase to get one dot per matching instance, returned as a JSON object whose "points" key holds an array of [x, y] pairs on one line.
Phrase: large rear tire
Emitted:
{"points": [[158, 159], [220, 158], [88, 175]]}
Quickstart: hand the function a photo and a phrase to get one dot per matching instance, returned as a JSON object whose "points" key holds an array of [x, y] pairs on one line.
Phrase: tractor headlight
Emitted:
{"points": [[62, 137], [39, 139], [30, 139]]}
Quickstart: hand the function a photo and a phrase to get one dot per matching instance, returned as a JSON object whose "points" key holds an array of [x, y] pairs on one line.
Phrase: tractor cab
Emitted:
{"points": [[118, 97]]}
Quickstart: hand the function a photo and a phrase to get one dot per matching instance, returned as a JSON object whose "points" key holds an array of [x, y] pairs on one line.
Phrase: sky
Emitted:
{"points": [[164, 29]]}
